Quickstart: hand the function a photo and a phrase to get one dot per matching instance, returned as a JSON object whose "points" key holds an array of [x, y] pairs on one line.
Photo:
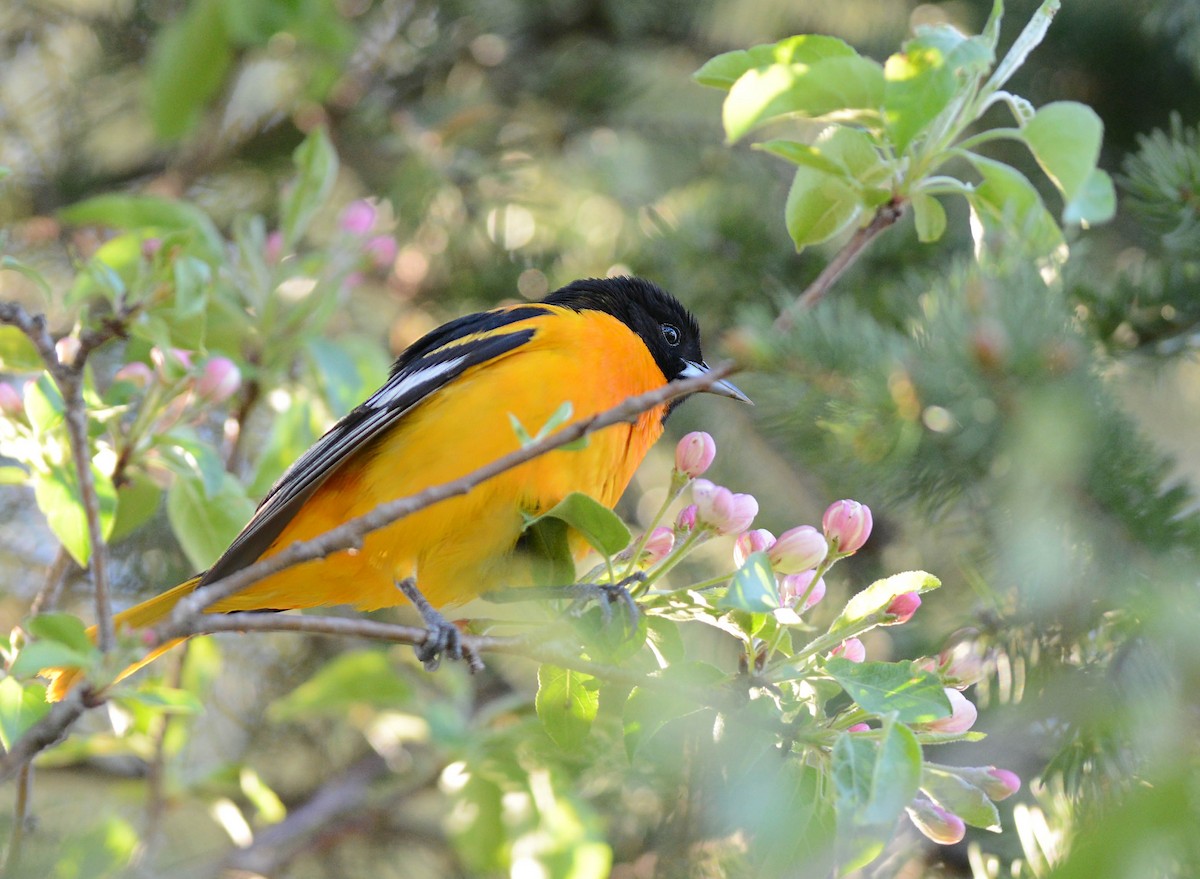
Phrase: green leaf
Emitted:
{"points": [[1065, 138], [753, 587], [160, 699], [844, 86], [137, 502], [57, 493], [930, 217], [1095, 203], [800, 825], [191, 457], [883, 688], [357, 677], [316, 169], [876, 597], [44, 405], [649, 709], [819, 206], [20, 708], [188, 65], [38, 655], [10, 474], [205, 525], [918, 86], [803, 154], [17, 353], [566, 703], [600, 526], [874, 780], [724, 70], [1007, 202], [63, 628], [136, 212], [12, 264], [955, 794]]}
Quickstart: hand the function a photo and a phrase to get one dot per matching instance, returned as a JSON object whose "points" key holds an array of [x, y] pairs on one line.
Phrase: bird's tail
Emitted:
{"points": [[137, 617]]}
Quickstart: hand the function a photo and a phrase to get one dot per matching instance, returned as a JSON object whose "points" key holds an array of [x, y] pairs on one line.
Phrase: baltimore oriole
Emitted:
{"points": [[443, 412]]}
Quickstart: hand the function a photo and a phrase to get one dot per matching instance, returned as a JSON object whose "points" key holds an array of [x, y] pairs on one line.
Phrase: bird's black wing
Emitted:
{"points": [[427, 365]]}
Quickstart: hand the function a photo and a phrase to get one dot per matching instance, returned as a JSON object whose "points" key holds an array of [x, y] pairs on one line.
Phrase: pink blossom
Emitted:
{"points": [[658, 545], [67, 348], [998, 784], [961, 664], [962, 714], [859, 727], [798, 549], [793, 586], [686, 520], [851, 649], [758, 540], [694, 453], [940, 825], [11, 403], [382, 251], [151, 246], [358, 217], [168, 365], [903, 607], [219, 381], [136, 373], [273, 248], [721, 509], [847, 524]]}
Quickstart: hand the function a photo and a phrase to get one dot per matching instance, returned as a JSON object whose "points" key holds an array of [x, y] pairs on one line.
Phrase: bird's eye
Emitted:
{"points": [[670, 333]]}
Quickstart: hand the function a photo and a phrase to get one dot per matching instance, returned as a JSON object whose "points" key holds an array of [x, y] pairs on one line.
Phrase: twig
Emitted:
{"points": [[12, 857], [885, 216], [47, 598], [350, 534], [156, 773]]}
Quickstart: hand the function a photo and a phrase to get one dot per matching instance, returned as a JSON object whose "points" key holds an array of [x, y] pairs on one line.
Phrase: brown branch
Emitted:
{"points": [[885, 216], [351, 533], [52, 727], [46, 599], [12, 857]]}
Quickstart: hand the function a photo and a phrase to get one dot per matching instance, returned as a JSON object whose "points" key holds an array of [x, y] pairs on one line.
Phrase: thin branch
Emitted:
{"points": [[12, 857], [885, 216], [351, 533], [46, 599], [156, 772]]}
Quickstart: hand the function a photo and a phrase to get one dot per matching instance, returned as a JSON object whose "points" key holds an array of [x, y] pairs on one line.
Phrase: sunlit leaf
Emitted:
{"points": [[566, 703], [316, 169], [819, 206], [1095, 203], [206, 524], [1065, 139], [876, 597], [919, 84], [929, 216], [1009, 204], [753, 587], [21, 706], [357, 677], [725, 69], [955, 794], [882, 688], [58, 497], [64, 628]]}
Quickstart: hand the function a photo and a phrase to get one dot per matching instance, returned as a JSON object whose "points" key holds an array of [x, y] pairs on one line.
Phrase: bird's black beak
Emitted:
{"points": [[722, 387]]}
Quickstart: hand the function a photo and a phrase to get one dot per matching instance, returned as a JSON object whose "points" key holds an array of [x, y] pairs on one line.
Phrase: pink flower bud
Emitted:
{"points": [[847, 524], [941, 826], [11, 403], [961, 665], [758, 540], [859, 727], [151, 246], [658, 545], [694, 454], [851, 649], [169, 365], [903, 607], [273, 249], [686, 520], [67, 348], [962, 715], [381, 250], [219, 381], [998, 784], [793, 586], [137, 374], [721, 509], [358, 217], [798, 549]]}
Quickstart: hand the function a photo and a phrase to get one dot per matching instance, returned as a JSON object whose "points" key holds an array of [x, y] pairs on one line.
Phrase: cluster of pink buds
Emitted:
{"points": [[360, 219], [216, 380], [940, 824]]}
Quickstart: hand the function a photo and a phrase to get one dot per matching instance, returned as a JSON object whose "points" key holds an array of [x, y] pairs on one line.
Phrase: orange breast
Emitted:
{"points": [[460, 547]]}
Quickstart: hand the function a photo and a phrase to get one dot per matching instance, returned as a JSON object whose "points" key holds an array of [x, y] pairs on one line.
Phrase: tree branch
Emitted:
{"points": [[52, 727], [885, 216], [350, 534]]}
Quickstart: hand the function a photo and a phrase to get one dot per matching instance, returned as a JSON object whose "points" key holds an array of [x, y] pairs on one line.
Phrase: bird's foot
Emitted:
{"points": [[606, 595], [442, 637]]}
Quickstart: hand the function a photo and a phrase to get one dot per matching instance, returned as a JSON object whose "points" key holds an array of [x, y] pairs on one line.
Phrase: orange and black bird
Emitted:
{"points": [[446, 410]]}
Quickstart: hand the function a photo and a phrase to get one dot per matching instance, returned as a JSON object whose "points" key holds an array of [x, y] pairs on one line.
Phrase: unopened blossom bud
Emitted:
{"points": [[273, 248], [721, 509], [758, 540], [961, 665], [962, 714], [851, 649], [381, 250], [660, 542], [136, 373], [847, 524], [694, 453], [168, 365], [798, 549], [793, 586], [11, 404], [358, 217], [903, 607], [67, 348], [219, 381], [859, 727], [941, 826], [998, 784], [151, 246], [686, 520]]}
